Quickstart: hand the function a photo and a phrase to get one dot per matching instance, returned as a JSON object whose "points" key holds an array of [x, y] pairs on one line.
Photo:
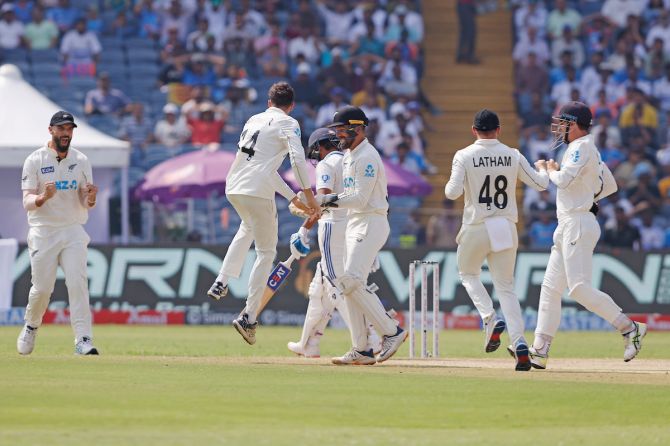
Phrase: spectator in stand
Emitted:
{"points": [[216, 14], [590, 76], [540, 143], [368, 43], [80, 50], [372, 109], [467, 32], [24, 10], [567, 42], [442, 228], [543, 204], [339, 18], [198, 96], [541, 232], [172, 131], [404, 17], [175, 17], [633, 80], [370, 89], [652, 236], [136, 129], [399, 78], [617, 12], [608, 208], [603, 124], [397, 130], [604, 94], [238, 52], [560, 17], [206, 128], [197, 39], [528, 43], [306, 43], [645, 191], [40, 34], [272, 63], [305, 88], [93, 21], [122, 28], [408, 159], [105, 100], [623, 235], [64, 15], [660, 30], [538, 114], [627, 173], [271, 37], [200, 71], [533, 78], [327, 111], [253, 20], [409, 51], [335, 64], [531, 15], [11, 29], [148, 19], [561, 92], [664, 183], [609, 153], [558, 73]]}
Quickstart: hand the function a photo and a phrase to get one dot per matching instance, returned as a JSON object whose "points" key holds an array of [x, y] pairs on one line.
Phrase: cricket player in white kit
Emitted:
{"points": [[58, 191], [487, 172], [250, 187], [366, 198], [324, 297], [582, 180]]}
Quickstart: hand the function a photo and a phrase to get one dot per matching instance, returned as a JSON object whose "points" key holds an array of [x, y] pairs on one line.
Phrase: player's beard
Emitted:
{"points": [[346, 143], [61, 148]]}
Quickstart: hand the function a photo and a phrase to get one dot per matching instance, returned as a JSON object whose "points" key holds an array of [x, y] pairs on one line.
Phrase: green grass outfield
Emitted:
{"points": [[202, 386]]}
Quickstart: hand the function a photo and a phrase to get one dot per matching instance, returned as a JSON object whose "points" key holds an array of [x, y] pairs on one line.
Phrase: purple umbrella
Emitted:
{"points": [[192, 175], [400, 181]]}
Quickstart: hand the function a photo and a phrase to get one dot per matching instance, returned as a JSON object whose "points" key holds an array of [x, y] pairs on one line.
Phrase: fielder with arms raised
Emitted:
{"points": [[582, 180], [324, 297], [487, 171], [366, 198], [250, 187], [58, 191]]}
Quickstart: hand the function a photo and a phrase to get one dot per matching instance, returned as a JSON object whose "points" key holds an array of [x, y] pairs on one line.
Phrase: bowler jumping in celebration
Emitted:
{"points": [[582, 180], [58, 191]]}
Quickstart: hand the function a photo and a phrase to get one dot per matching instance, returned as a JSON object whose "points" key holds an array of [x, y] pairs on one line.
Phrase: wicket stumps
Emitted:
{"points": [[424, 308]]}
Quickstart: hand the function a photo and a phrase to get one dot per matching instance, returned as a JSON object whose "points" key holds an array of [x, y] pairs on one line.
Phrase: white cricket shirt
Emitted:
{"points": [[580, 179], [329, 176], [71, 174], [364, 177], [266, 139], [487, 171]]}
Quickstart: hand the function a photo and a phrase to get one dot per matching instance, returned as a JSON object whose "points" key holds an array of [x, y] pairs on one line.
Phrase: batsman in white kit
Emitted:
{"points": [[250, 187], [324, 297], [487, 172], [582, 180], [365, 196], [58, 191]]}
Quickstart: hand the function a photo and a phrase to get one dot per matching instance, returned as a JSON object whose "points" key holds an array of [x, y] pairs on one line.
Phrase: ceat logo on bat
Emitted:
{"points": [[277, 276]]}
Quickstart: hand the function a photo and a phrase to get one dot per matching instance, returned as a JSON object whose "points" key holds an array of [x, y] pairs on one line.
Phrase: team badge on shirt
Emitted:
{"points": [[575, 156], [370, 171], [71, 167], [325, 178], [297, 132]]}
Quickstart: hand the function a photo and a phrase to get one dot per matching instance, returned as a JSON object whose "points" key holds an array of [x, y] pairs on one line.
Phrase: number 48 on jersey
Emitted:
{"points": [[499, 198]]}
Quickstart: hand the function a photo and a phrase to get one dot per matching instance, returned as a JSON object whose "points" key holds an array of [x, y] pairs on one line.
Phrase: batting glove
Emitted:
{"points": [[327, 201], [299, 243]]}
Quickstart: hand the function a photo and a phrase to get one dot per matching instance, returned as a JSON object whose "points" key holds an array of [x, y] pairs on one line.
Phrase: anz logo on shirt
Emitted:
{"points": [[370, 171], [348, 182], [66, 185]]}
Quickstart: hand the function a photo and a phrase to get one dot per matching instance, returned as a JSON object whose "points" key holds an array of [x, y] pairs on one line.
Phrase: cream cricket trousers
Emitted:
{"points": [[473, 248], [570, 266], [259, 225], [365, 237], [49, 248]]}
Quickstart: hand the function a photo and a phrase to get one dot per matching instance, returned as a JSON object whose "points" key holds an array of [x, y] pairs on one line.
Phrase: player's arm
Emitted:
{"points": [[537, 179], [291, 135], [88, 192], [29, 184], [364, 182], [456, 183], [575, 160]]}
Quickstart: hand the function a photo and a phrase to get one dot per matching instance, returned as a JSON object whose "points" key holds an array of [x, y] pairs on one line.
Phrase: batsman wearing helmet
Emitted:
{"points": [[365, 196], [324, 297], [582, 179]]}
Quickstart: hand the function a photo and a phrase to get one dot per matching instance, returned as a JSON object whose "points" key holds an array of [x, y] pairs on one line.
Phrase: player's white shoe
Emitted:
{"points": [[310, 351], [26, 341], [391, 344], [521, 355], [84, 346], [354, 357], [493, 328], [633, 341], [246, 329], [217, 291], [538, 360]]}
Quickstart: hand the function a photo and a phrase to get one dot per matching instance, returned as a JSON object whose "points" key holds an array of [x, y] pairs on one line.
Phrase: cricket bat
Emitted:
{"points": [[280, 273]]}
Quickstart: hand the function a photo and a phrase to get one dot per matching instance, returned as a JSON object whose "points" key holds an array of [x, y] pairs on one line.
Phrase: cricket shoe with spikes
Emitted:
{"points": [[538, 360], [391, 344], [374, 341], [217, 291], [309, 351], [246, 329], [493, 328], [26, 341], [521, 355], [84, 346], [633, 341], [354, 357]]}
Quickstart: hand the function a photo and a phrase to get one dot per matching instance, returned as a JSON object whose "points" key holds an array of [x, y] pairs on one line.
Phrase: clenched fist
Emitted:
{"points": [[49, 190]]}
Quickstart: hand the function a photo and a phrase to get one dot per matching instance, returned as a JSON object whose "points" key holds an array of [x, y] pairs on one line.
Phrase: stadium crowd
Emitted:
{"points": [[614, 55], [171, 76]]}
